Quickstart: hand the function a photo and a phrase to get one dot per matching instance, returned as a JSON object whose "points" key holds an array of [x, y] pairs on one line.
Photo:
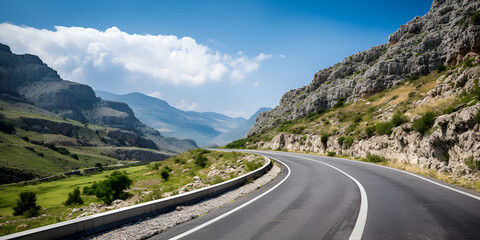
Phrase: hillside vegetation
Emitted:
{"points": [[35, 143], [191, 170]]}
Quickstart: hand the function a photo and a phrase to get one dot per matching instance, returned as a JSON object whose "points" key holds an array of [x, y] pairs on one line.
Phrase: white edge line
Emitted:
{"points": [[362, 214], [401, 171], [233, 210]]}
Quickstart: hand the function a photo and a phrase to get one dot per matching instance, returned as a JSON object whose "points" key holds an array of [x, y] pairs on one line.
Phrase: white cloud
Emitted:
{"points": [[281, 56], [255, 84], [155, 94], [183, 105], [89, 55], [235, 114]]}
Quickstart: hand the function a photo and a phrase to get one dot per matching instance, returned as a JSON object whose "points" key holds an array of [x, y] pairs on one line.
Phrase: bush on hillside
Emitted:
{"points": [[340, 140], [26, 205], [111, 188], [349, 141], [383, 128], [370, 131], [373, 158], [165, 174], [424, 123], [238, 144], [6, 127], [324, 139], [441, 68], [74, 197]]}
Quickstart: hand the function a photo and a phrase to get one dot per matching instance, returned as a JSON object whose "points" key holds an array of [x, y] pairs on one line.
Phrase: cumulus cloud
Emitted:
{"points": [[155, 94], [183, 105], [235, 114], [282, 56], [89, 55], [255, 84]]}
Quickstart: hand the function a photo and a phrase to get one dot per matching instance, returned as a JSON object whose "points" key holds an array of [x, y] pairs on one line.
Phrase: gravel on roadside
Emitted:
{"points": [[151, 226]]}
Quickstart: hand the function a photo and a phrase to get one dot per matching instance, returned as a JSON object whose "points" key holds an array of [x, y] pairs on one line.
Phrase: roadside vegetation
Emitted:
{"points": [[62, 199]]}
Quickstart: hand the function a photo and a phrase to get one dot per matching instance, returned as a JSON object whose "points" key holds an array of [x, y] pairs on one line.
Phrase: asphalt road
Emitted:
{"points": [[321, 198]]}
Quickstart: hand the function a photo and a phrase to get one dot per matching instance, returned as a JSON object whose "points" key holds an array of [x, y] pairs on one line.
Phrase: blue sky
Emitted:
{"points": [[231, 57]]}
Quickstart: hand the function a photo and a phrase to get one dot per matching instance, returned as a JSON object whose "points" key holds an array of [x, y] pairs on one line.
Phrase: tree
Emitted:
{"points": [[26, 205], [165, 175], [74, 197], [112, 188], [99, 166]]}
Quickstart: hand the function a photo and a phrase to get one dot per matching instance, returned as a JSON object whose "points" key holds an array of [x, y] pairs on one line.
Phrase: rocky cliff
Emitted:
{"points": [[27, 78], [415, 99], [444, 36]]}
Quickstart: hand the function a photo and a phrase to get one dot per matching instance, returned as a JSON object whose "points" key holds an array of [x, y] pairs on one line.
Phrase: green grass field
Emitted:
{"points": [[51, 195]]}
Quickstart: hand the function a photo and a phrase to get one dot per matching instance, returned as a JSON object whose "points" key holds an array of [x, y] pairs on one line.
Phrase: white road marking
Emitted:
{"points": [[405, 172], [233, 210], [362, 215]]}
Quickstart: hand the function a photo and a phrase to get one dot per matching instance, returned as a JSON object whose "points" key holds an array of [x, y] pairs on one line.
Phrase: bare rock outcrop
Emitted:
{"points": [[444, 36]]}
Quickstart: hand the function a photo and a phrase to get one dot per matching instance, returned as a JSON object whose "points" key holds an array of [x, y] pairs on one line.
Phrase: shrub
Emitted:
{"points": [[324, 139], [413, 78], [320, 111], [472, 164], [331, 154], [445, 157], [398, 119], [373, 158], [475, 20], [476, 119], [6, 127], [30, 149], [370, 131], [340, 102], [74, 156], [252, 165], [155, 166], [424, 123], [340, 140], [238, 144], [383, 128], [26, 205], [99, 166], [26, 139], [201, 161], [441, 68], [63, 151], [165, 175], [74, 197], [112, 188], [469, 62], [357, 119], [349, 141]]}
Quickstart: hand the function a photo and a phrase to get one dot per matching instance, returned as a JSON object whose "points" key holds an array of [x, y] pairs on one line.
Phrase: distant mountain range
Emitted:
{"points": [[206, 128], [237, 133]]}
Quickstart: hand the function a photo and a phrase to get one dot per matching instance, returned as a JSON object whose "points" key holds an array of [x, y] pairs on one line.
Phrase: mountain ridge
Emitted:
{"points": [[159, 114]]}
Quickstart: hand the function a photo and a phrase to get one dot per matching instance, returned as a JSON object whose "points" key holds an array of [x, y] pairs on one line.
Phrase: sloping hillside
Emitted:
{"points": [[414, 100]]}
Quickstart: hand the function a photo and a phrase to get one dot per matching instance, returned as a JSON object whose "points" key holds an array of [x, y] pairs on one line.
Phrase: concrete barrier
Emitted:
{"points": [[79, 227]]}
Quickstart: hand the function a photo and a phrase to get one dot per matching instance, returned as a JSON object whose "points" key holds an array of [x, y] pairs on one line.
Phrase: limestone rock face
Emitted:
{"points": [[444, 36], [27, 78]]}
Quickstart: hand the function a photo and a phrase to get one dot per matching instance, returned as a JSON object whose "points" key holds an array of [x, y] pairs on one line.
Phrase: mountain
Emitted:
{"points": [[25, 78], [413, 100], [157, 113], [444, 36], [238, 132]]}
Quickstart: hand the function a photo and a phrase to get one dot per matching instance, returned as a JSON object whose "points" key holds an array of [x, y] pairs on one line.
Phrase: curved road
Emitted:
{"points": [[321, 198]]}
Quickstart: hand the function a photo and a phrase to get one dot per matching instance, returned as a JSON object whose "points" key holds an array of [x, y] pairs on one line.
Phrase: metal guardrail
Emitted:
{"points": [[88, 225]]}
